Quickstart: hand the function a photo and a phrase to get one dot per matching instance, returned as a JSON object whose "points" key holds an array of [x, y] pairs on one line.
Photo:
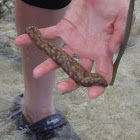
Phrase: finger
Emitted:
{"points": [[44, 68], [95, 91], [49, 65], [69, 84], [104, 67], [47, 33]]}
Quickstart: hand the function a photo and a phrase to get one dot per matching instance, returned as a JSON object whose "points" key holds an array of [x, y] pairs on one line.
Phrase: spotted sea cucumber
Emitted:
{"points": [[77, 72]]}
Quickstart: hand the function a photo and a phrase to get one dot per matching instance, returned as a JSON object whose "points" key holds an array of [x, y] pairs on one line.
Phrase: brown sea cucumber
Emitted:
{"points": [[77, 72]]}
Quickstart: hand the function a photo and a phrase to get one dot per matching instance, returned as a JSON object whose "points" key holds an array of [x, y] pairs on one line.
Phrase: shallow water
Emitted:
{"points": [[113, 116]]}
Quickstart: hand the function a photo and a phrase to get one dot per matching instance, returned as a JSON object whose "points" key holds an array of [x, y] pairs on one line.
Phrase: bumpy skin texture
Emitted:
{"points": [[78, 73]]}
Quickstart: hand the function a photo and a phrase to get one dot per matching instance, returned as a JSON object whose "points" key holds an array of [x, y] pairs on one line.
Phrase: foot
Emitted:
{"points": [[54, 127]]}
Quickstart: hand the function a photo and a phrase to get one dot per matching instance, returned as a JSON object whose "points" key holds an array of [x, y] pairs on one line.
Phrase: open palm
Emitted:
{"points": [[91, 29]]}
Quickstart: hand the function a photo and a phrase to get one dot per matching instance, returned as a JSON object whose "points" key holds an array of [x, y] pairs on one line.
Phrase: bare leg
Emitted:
{"points": [[38, 97]]}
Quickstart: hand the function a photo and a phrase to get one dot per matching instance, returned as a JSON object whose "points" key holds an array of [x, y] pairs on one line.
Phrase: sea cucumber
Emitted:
{"points": [[77, 72]]}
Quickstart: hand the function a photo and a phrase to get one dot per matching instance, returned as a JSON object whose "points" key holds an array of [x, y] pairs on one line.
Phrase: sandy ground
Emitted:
{"points": [[113, 116]]}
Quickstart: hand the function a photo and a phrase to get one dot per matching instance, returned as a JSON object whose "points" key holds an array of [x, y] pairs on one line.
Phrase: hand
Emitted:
{"points": [[91, 29]]}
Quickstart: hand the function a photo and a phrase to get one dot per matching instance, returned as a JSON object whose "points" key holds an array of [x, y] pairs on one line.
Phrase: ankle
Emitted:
{"points": [[34, 115]]}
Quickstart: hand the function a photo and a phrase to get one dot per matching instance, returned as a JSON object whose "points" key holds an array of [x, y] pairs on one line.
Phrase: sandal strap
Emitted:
{"points": [[49, 123]]}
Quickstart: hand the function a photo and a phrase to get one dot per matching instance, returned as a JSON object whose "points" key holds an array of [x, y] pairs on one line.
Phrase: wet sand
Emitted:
{"points": [[115, 115]]}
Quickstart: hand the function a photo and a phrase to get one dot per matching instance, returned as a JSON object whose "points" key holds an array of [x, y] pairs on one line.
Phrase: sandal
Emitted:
{"points": [[53, 127]]}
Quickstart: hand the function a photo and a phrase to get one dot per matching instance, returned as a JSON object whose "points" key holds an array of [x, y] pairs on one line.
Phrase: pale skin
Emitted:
{"points": [[91, 29]]}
